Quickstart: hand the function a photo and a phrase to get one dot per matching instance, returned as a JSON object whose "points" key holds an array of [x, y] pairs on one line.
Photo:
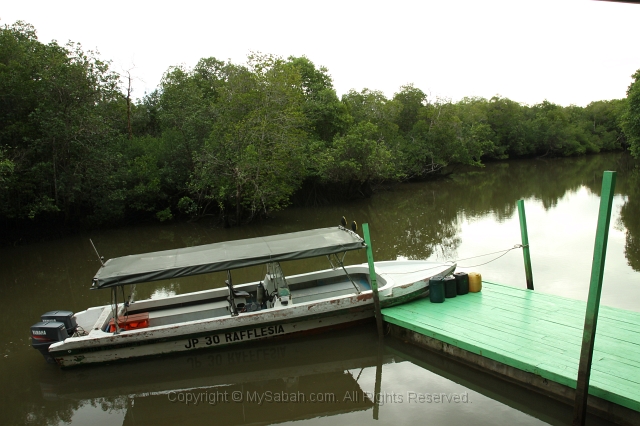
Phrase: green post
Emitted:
{"points": [[593, 302], [372, 275], [525, 244]]}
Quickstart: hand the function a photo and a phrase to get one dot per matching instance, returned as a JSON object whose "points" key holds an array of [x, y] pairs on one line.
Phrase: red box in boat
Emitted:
{"points": [[130, 322]]}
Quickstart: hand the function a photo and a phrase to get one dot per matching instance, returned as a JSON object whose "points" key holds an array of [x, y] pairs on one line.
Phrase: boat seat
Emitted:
{"points": [[235, 292], [189, 313]]}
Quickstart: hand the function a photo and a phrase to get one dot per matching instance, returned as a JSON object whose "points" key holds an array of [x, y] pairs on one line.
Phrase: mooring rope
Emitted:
{"points": [[504, 252], [516, 246]]}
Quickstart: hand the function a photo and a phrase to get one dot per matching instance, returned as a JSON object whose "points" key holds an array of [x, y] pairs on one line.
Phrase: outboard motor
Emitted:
{"points": [[44, 334], [65, 317], [55, 326]]}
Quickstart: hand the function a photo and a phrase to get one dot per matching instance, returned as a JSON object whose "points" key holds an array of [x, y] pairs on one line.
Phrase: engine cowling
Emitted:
{"points": [[46, 333], [55, 326]]}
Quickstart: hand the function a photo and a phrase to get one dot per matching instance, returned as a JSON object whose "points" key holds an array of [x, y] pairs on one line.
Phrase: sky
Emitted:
{"points": [[564, 51]]}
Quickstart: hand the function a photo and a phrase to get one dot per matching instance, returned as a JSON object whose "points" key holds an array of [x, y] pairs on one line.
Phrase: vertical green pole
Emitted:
{"points": [[593, 302], [525, 244], [372, 275]]}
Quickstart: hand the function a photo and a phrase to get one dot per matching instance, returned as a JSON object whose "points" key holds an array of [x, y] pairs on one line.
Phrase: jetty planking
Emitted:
{"points": [[536, 333]]}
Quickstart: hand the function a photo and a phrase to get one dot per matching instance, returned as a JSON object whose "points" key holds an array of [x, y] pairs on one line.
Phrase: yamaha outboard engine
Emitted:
{"points": [[65, 317], [54, 327]]}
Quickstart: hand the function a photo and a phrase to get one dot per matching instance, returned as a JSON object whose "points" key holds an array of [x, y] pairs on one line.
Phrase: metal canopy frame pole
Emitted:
{"points": [[341, 263], [593, 302], [115, 310], [231, 299]]}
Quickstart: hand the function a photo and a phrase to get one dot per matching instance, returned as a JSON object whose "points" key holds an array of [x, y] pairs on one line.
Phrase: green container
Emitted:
{"points": [[462, 282], [436, 289], [450, 289]]}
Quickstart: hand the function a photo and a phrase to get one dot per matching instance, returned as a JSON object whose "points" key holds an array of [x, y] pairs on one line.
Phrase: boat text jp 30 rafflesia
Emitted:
{"points": [[273, 307]]}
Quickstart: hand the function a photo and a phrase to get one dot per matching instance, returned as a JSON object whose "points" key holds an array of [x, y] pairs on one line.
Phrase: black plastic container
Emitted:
{"points": [[462, 282], [450, 289], [436, 289]]}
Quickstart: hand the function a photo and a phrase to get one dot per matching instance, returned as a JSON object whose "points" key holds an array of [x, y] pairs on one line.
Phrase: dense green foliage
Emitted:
{"points": [[239, 141], [59, 115], [631, 115]]}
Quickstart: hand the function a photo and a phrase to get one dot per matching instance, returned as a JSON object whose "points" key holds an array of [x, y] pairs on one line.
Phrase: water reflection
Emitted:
{"points": [[323, 380], [425, 220], [260, 384], [630, 216]]}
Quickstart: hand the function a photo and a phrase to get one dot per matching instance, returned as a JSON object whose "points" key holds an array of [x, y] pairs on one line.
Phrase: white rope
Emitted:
{"points": [[516, 246]]}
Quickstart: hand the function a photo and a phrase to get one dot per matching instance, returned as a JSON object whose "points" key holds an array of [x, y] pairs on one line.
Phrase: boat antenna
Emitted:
{"points": [[100, 258]]}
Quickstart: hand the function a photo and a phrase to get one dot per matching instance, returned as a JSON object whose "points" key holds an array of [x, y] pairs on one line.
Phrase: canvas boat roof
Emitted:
{"points": [[203, 259]]}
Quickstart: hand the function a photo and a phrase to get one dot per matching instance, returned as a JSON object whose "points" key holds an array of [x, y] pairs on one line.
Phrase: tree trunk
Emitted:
{"points": [[55, 172], [238, 209]]}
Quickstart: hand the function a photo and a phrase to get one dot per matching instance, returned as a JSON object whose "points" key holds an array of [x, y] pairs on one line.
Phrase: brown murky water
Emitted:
{"points": [[329, 378]]}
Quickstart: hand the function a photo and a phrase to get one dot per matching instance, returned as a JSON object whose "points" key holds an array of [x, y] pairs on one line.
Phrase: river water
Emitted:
{"points": [[332, 377]]}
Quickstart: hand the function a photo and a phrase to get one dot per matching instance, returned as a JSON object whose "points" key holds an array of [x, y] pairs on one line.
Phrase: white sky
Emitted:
{"points": [[566, 51]]}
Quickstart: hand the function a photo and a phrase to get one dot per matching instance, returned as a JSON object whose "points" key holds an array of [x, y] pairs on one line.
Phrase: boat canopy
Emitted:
{"points": [[162, 265]]}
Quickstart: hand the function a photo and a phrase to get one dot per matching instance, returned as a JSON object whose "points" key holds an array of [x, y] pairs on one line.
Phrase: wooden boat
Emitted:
{"points": [[274, 307]]}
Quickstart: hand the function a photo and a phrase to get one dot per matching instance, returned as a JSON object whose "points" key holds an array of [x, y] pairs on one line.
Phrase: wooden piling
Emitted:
{"points": [[593, 302], [374, 280], [525, 244]]}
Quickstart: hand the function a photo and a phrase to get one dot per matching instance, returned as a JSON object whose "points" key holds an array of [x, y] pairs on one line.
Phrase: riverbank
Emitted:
{"points": [[494, 179]]}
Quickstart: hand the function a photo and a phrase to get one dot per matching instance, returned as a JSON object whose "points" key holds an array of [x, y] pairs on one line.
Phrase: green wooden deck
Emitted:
{"points": [[537, 333]]}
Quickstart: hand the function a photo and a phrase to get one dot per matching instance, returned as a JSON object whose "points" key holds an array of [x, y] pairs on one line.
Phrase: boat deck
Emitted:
{"points": [[338, 286], [534, 332]]}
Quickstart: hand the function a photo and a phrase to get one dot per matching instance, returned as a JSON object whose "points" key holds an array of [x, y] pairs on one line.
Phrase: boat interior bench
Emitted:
{"points": [[190, 313]]}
